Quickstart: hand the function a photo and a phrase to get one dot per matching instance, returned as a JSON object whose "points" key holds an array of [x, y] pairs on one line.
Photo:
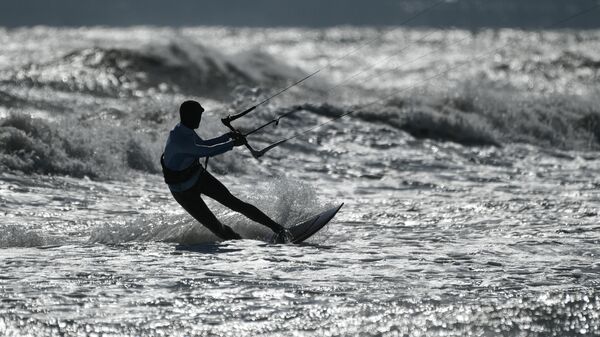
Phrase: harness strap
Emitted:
{"points": [[176, 177]]}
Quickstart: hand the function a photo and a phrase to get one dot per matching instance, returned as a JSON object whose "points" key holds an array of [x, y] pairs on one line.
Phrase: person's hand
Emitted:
{"points": [[233, 134], [239, 140]]}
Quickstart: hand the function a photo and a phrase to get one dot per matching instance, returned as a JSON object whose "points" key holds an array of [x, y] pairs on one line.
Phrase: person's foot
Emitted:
{"points": [[283, 236]]}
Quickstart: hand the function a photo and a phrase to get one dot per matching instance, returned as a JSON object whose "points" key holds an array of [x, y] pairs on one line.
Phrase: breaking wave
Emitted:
{"points": [[34, 145], [16, 236], [176, 67], [480, 114], [565, 61]]}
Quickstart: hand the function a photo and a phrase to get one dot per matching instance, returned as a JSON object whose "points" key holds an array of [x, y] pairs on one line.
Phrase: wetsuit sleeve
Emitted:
{"points": [[201, 149], [217, 140]]}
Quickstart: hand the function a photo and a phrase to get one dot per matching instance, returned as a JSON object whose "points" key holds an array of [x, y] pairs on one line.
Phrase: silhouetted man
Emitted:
{"points": [[188, 179]]}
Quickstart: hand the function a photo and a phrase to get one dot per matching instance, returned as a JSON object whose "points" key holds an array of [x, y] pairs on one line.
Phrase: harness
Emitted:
{"points": [[177, 177]]}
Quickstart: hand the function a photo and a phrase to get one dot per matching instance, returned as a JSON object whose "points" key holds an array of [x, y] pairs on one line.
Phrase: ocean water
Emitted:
{"points": [[469, 168]]}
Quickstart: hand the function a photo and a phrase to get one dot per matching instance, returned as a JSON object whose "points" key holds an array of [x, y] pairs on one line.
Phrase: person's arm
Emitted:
{"points": [[217, 140], [192, 147]]}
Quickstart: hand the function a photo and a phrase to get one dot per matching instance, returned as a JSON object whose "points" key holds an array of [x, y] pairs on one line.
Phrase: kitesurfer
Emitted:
{"points": [[188, 179]]}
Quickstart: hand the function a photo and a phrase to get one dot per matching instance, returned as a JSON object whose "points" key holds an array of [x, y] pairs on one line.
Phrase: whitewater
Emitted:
{"points": [[469, 168]]}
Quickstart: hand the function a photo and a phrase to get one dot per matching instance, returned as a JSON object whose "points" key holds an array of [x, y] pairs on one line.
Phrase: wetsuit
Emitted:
{"points": [[183, 149]]}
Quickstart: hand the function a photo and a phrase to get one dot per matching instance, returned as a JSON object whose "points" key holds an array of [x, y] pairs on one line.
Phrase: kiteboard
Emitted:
{"points": [[308, 228]]}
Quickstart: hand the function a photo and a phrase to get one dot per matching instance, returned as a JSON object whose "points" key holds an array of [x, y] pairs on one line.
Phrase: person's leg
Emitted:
{"points": [[213, 188], [190, 200]]}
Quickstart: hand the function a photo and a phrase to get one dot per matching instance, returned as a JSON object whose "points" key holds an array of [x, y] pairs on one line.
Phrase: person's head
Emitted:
{"points": [[190, 113]]}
